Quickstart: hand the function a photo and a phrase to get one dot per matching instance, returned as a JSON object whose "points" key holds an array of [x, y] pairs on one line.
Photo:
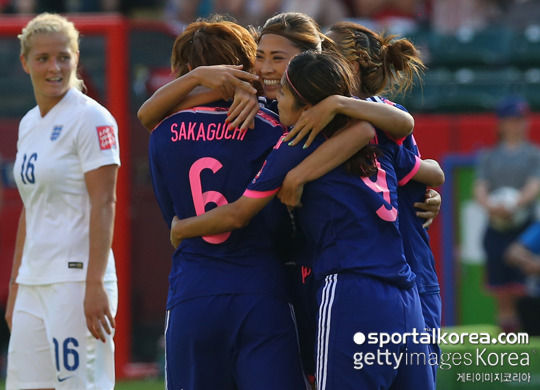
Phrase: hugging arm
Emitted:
{"points": [[392, 120], [329, 155], [258, 194], [221, 80], [218, 220], [429, 173], [430, 207]]}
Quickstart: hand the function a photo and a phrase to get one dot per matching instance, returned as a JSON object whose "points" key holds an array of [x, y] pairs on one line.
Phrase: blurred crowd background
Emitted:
{"points": [[458, 38], [394, 15]]}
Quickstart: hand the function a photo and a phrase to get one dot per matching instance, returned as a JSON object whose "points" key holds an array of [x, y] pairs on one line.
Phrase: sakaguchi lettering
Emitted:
{"points": [[198, 131]]}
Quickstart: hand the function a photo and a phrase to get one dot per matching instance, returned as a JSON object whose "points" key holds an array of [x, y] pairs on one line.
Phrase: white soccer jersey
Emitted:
{"points": [[53, 152]]}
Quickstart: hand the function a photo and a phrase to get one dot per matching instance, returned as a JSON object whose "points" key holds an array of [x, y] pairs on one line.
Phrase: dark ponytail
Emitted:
{"points": [[384, 63], [312, 77]]}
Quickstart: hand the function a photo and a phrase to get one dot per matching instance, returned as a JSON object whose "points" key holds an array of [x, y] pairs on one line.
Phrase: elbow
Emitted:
{"points": [[439, 179], [103, 200], [368, 131], [405, 126], [143, 117], [239, 220], [371, 132], [435, 176], [105, 205], [237, 217], [408, 126]]}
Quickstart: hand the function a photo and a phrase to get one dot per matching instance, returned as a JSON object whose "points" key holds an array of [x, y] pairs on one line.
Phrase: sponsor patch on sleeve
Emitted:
{"points": [[75, 264], [107, 139]]}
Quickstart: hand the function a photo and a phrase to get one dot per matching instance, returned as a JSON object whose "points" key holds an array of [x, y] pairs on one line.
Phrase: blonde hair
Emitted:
{"points": [[46, 23]]}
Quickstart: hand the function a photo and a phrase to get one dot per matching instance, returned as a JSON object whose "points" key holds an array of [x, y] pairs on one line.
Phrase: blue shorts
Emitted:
{"points": [[431, 309], [232, 342], [500, 275], [303, 296], [353, 307]]}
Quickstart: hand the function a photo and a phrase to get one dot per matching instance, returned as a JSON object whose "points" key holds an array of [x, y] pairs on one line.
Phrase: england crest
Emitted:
{"points": [[56, 132]]}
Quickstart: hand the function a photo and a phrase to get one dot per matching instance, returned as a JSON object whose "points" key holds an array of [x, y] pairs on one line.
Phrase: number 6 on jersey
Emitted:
{"points": [[201, 199]]}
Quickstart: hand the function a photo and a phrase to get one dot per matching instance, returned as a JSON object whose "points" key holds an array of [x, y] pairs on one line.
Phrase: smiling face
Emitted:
{"points": [[51, 64], [273, 54]]}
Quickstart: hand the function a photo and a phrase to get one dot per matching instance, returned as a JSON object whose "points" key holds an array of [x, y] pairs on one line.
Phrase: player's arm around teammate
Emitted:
{"points": [[330, 192], [221, 82], [238, 214]]}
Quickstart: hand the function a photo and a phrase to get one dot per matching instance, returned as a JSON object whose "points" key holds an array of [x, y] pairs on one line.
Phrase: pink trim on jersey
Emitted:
{"points": [[415, 144], [384, 100], [410, 175], [219, 110], [270, 119], [261, 114], [259, 194], [280, 140], [194, 109], [206, 108], [398, 141]]}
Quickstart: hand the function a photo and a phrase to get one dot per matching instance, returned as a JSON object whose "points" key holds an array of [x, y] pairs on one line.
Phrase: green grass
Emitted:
{"points": [[128, 385], [141, 385]]}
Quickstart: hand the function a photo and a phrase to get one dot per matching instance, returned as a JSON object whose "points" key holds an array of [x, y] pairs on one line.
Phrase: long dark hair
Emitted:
{"points": [[384, 62], [312, 77]]}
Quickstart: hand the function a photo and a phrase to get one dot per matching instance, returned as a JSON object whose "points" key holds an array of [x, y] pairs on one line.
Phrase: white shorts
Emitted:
{"points": [[50, 345]]}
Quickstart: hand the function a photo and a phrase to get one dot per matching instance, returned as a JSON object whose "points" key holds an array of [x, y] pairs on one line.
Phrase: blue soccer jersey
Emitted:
{"points": [[350, 221], [415, 237], [530, 239], [198, 162]]}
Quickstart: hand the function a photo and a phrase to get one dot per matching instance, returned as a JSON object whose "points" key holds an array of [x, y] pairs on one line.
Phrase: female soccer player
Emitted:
{"points": [[351, 222], [63, 267], [281, 37], [381, 64], [229, 324]]}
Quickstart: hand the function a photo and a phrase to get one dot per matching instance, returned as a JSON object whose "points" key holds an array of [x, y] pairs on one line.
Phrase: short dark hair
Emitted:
{"points": [[220, 42]]}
